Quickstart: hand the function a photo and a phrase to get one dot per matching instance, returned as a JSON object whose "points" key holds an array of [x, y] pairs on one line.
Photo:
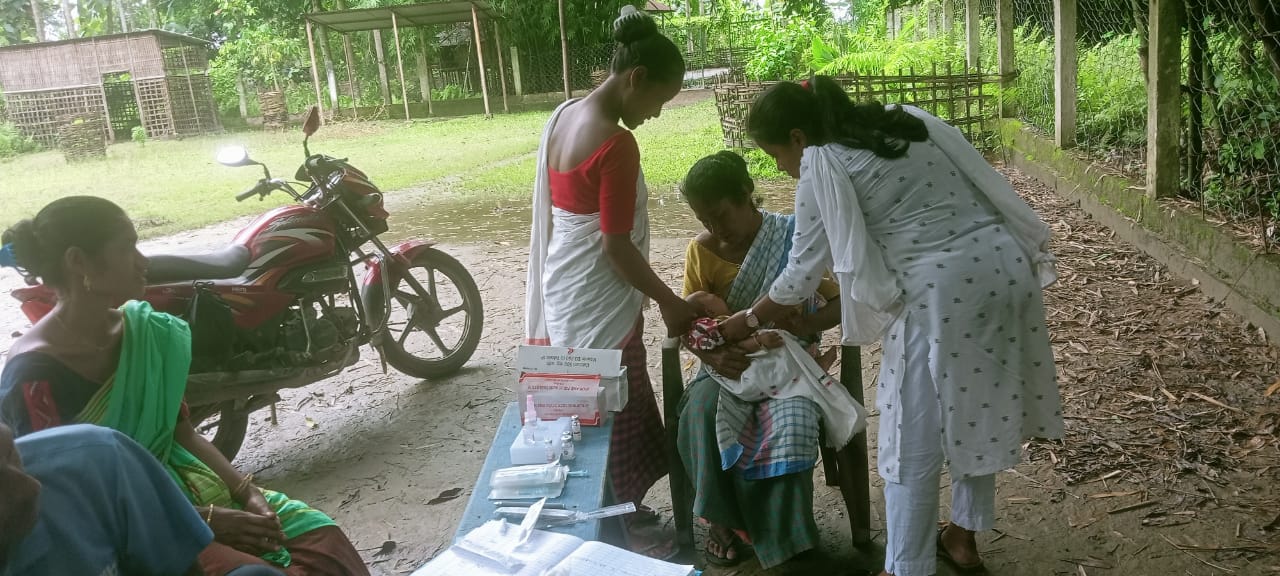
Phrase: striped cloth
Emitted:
{"points": [[776, 437], [637, 457]]}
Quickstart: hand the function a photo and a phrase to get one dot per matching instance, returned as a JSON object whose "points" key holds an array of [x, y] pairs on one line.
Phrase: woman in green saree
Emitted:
{"points": [[92, 360]]}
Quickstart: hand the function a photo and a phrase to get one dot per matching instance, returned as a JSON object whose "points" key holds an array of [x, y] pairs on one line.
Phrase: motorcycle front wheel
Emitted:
{"points": [[431, 335]]}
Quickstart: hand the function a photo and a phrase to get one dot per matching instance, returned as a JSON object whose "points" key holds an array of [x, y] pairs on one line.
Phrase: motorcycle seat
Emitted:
{"points": [[228, 262]]}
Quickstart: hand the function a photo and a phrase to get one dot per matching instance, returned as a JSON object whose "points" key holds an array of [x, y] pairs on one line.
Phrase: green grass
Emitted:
{"points": [[171, 186], [175, 185], [669, 145]]}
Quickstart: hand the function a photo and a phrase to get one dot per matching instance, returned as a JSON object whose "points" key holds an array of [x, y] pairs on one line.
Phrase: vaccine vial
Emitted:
{"points": [[569, 452], [575, 426], [551, 451]]}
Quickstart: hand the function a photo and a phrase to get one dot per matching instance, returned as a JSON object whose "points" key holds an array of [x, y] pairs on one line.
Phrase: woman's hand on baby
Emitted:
{"points": [[678, 315], [729, 360]]}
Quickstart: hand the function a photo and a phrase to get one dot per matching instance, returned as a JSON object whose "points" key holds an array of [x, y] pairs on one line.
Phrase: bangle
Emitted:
{"points": [[247, 482], [208, 519], [756, 336]]}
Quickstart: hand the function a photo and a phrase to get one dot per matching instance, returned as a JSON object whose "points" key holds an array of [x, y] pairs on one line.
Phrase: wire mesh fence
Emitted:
{"points": [[1231, 114], [1111, 96], [1033, 60]]}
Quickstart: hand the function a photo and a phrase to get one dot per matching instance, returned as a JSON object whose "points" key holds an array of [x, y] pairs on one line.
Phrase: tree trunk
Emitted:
{"points": [[1140, 24], [154, 13], [1268, 16], [382, 67], [424, 69], [244, 100], [38, 19], [330, 79], [124, 16], [69, 19]]}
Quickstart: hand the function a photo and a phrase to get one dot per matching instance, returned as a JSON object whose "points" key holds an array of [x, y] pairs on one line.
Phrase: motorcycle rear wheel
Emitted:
{"points": [[416, 324], [227, 424]]}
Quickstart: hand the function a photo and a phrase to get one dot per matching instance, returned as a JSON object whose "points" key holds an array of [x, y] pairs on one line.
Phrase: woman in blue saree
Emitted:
{"points": [[760, 489]]}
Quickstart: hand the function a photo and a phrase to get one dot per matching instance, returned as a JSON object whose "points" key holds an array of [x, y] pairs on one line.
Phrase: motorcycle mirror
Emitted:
{"points": [[312, 121], [234, 156]]}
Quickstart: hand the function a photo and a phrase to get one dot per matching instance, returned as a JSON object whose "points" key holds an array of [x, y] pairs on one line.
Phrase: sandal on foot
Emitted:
{"points": [[733, 545], [975, 568], [643, 515]]}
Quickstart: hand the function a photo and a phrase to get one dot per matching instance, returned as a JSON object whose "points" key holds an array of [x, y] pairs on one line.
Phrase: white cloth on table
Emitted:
{"points": [[573, 295], [934, 248], [790, 372]]}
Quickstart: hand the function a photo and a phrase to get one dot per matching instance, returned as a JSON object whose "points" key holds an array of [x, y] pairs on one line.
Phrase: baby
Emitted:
{"points": [[781, 367], [705, 334]]}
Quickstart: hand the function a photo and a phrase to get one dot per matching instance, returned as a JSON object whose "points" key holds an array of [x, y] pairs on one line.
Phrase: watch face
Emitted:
{"points": [[752, 320]]}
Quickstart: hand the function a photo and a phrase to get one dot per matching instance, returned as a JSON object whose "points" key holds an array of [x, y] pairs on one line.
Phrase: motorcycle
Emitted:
{"points": [[282, 307]]}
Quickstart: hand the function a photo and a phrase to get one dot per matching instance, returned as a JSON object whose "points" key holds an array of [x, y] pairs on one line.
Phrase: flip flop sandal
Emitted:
{"points": [[643, 515], [735, 544], [976, 568]]}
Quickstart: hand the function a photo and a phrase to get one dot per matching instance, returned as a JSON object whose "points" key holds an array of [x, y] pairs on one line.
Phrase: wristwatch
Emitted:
{"points": [[753, 321]]}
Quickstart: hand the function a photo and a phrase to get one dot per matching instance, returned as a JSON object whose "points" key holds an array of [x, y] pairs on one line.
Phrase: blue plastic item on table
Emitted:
{"points": [[585, 494]]}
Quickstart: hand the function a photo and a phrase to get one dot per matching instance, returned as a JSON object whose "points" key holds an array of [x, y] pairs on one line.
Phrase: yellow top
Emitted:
{"points": [[707, 272]]}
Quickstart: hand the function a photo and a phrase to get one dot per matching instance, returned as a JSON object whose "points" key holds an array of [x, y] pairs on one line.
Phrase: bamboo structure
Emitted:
{"points": [[964, 99], [419, 16], [153, 79]]}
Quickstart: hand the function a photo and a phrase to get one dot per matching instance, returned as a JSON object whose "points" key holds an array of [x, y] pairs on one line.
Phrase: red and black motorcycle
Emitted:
{"points": [[283, 305]]}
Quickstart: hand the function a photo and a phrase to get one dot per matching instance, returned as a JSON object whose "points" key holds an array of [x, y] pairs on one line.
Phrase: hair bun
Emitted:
{"points": [[633, 25], [25, 248]]}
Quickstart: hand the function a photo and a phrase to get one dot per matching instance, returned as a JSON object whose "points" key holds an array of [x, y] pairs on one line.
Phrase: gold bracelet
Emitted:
{"points": [[208, 519]]}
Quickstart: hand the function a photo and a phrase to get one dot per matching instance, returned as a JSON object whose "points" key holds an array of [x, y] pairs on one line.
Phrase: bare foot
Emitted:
{"points": [[961, 546]]}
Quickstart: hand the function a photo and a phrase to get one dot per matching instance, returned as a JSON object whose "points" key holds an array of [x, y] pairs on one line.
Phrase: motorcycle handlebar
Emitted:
{"points": [[259, 189]]}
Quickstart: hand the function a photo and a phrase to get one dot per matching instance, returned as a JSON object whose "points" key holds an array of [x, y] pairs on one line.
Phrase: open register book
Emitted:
{"points": [[495, 549]]}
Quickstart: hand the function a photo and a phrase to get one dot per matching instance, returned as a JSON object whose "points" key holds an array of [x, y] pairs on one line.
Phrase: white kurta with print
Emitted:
{"points": [[966, 282]]}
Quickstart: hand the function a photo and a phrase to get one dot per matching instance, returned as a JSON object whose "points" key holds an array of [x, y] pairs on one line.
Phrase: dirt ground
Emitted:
{"points": [[1169, 467]]}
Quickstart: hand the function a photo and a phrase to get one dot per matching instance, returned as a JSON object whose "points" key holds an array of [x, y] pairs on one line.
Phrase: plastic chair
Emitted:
{"points": [[847, 468]]}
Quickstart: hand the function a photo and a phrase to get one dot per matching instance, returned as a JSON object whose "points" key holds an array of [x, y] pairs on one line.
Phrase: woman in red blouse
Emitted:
{"points": [[589, 273]]}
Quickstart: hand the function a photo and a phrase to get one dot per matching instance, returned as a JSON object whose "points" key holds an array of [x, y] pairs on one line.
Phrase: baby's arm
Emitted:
{"points": [[762, 340]]}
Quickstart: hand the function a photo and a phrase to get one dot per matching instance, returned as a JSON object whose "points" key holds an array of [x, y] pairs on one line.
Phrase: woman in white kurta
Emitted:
{"points": [[939, 259]]}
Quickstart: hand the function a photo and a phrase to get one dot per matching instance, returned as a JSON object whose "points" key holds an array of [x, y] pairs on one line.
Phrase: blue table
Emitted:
{"points": [[586, 494]]}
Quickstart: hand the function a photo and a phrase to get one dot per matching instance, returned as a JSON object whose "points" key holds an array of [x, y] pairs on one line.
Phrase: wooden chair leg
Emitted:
{"points": [[672, 391], [830, 469], [852, 462]]}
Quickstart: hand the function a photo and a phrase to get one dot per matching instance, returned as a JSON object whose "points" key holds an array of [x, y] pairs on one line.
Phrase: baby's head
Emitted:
{"points": [[708, 303]]}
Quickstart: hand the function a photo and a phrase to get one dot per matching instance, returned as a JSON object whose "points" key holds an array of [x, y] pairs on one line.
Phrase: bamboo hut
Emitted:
{"points": [[153, 79]]}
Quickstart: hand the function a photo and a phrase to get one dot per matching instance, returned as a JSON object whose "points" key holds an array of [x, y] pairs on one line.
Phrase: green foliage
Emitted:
{"points": [[139, 135], [13, 143], [1243, 139], [1111, 98], [453, 92], [780, 48]]}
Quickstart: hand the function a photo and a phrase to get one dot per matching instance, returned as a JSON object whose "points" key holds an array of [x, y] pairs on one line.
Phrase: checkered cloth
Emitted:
{"points": [[637, 457]]}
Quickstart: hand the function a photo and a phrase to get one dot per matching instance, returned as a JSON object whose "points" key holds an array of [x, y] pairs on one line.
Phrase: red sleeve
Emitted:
{"points": [[619, 172]]}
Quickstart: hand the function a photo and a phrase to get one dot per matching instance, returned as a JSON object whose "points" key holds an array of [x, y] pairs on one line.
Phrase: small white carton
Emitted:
{"points": [[572, 381]]}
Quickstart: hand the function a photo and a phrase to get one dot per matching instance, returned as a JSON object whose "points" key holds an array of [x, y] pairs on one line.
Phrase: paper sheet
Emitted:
{"points": [[594, 559], [543, 551]]}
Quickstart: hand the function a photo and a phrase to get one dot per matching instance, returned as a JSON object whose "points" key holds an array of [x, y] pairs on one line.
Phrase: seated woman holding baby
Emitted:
{"points": [[750, 455]]}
